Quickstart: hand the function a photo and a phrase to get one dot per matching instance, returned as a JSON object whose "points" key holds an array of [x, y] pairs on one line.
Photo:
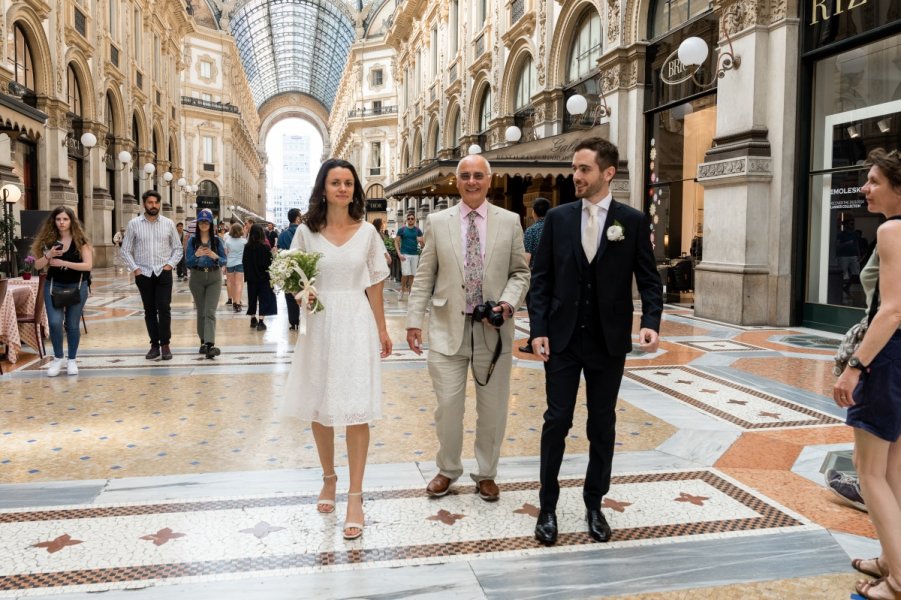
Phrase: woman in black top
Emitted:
{"points": [[63, 247], [256, 261]]}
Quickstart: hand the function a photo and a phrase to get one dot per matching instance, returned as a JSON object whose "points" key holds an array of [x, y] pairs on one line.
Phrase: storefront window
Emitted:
{"points": [[680, 137], [670, 14], [856, 108]]}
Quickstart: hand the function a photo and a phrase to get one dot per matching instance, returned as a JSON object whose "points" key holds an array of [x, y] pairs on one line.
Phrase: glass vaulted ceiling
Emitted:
{"points": [[295, 45]]}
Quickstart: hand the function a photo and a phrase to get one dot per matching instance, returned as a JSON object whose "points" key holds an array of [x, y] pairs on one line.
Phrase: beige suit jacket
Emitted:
{"points": [[438, 285]]}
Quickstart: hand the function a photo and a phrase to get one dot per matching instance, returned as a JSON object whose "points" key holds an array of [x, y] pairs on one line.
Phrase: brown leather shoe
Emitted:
{"points": [[488, 490], [438, 486]]}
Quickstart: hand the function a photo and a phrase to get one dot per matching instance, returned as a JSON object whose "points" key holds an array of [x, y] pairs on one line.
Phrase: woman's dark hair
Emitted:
{"points": [[890, 165], [316, 216], [214, 239], [49, 234], [256, 235], [377, 223]]}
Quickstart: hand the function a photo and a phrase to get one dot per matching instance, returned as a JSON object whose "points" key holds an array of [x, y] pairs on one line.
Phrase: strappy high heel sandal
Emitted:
{"points": [[349, 527], [869, 566], [326, 505]]}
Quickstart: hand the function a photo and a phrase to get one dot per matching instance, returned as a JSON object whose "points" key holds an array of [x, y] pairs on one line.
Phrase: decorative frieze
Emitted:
{"points": [[731, 170]]}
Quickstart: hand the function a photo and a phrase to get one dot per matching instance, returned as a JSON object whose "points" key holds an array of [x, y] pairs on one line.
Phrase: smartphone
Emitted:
{"points": [[58, 245]]}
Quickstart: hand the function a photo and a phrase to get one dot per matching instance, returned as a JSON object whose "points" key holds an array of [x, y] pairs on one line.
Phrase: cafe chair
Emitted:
{"points": [[37, 315]]}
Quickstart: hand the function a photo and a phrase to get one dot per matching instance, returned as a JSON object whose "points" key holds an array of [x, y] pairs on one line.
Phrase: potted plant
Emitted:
{"points": [[29, 267]]}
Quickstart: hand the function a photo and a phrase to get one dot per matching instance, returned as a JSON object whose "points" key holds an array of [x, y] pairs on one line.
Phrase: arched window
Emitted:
{"points": [[434, 142], [23, 60], [375, 191], [109, 118], [73, 92], [586, 46], [455, 129], [525, 85], [670, 14], [485, 110]]}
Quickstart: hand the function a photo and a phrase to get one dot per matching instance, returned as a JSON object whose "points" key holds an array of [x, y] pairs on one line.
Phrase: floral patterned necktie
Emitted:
{"points": [[472, 270]]}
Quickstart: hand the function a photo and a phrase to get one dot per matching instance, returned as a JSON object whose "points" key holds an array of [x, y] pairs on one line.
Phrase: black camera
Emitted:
{"points": [[486, 311]]}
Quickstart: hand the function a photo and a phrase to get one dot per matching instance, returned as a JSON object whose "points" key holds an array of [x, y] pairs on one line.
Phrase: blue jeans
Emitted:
{"points": [[70, 315]]}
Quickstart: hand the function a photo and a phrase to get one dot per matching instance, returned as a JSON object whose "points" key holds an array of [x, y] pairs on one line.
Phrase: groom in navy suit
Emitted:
{"points": [[580, 308]]}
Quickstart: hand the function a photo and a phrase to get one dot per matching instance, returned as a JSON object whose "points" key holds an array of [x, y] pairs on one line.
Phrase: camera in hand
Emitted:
{"points": [[486, 311]]}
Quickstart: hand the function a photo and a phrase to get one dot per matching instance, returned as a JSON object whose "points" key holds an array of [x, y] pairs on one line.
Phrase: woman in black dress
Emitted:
{"points": [[260, 297]]}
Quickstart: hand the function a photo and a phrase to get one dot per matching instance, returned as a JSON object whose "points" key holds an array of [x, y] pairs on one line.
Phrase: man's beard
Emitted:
{"points": [[152, 211]]}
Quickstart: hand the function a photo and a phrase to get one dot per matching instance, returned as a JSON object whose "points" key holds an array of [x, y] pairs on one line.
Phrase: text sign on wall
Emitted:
{"points": [[829, 21]]}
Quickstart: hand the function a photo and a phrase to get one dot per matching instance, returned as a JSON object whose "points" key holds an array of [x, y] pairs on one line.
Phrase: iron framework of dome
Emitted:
{"points": [[294, 45]]}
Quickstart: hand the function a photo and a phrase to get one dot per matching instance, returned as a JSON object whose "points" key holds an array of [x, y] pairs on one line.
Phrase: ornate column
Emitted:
{"points": [[744, 277], [52, 146]]}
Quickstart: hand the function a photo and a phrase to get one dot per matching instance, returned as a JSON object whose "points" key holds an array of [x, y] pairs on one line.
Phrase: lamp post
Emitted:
{"points": [[10, 194]]}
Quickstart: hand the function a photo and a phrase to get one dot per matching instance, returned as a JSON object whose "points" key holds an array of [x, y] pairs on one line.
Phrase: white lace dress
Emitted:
{"points": [[336, 372]]}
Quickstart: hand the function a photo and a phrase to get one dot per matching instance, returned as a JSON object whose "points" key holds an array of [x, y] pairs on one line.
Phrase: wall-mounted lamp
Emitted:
{"points": [[149, 170], [167, 179], [124, 160], [475, 149], [88, 141], [578, 104], [693, 52], [853, 131], [884, 125], [513, 134]]}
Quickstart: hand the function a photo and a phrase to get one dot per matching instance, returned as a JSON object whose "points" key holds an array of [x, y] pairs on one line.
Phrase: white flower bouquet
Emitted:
{"points": [[295, 271]]}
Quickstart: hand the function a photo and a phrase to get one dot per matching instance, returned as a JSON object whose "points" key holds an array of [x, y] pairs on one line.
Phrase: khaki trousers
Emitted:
{"points": [[449, 374]]}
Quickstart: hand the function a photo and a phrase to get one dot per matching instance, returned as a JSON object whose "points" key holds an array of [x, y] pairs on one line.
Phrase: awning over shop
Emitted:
{"points": [[17, 116], [548, 157]]}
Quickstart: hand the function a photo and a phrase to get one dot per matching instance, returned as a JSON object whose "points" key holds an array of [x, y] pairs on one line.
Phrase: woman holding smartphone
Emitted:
{"points": [[205, 254], [63, 248]]}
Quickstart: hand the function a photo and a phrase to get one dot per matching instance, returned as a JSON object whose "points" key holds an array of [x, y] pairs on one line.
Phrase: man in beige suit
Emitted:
{"points": [[473, 254]]}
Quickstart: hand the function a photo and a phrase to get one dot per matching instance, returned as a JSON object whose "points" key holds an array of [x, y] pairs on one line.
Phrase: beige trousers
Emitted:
{"points": [[449, 374]]}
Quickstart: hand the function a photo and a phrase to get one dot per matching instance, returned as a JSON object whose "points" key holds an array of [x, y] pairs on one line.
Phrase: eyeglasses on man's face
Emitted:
{"points": [[476, 176]]}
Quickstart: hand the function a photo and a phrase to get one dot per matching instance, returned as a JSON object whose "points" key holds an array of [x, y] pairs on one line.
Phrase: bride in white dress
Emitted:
{"points": [[336, 376]]}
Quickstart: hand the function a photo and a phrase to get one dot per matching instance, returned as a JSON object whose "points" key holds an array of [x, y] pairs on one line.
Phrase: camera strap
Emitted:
{"points": [[472, 346]]}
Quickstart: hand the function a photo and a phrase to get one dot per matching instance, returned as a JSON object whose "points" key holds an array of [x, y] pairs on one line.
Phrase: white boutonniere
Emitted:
{"points": [[615, 232]]}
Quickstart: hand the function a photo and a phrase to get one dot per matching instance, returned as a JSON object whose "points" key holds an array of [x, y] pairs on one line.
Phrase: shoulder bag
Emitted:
{"points": [[63, 297]]}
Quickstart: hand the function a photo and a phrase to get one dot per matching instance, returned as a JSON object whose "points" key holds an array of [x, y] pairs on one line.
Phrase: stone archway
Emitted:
{"points": [[295, 105]]}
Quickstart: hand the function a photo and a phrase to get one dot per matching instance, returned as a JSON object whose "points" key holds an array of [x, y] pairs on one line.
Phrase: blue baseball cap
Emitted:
{"points": [[205, 215]]}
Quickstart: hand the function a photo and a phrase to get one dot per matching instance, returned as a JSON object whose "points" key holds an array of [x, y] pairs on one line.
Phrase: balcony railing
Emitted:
{"points": [[369, 112], [517, 10], [222, 107]]}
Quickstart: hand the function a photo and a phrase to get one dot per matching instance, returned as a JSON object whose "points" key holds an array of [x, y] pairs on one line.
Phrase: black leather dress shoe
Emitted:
{"points": [[526, 348], [598, 528], [546, 528]]}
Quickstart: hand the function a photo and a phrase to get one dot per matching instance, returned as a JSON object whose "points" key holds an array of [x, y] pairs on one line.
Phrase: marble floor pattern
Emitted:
{"points": [[144, 479]]}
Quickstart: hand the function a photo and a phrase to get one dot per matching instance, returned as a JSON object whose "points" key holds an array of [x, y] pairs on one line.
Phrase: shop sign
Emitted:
{"points": [[845, 193], [673, 70], [830, 21], [377, 205]]}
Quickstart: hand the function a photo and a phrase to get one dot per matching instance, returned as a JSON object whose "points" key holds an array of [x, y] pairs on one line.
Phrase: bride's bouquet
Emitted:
{"points": [[295, 271]]}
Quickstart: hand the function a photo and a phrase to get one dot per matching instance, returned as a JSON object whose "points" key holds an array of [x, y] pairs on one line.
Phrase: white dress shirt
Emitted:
{"points": [[603, 209], [151, 245]]}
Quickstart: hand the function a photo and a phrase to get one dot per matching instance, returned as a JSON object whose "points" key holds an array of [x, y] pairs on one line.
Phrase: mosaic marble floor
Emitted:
{"points": [[143, 479]]}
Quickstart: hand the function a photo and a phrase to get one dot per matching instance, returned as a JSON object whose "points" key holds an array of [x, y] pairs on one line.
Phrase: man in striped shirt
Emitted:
{"points": [[151, 248]]}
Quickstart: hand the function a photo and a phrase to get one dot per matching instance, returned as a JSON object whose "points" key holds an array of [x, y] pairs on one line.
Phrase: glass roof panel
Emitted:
{"points": [[295, 45]]}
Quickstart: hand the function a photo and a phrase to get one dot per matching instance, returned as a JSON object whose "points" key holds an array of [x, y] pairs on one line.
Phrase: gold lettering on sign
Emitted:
{"points": [[820, 12], [821, 5]]}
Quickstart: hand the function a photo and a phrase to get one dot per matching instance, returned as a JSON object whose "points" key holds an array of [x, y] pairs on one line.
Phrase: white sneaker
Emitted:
{"points": [[72, 367], [56, 366]]}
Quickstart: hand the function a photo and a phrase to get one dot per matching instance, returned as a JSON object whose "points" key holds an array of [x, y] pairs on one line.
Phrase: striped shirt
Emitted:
{"points": [[151, 245]]}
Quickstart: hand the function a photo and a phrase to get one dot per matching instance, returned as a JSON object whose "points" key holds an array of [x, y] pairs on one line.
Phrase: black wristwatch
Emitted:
{"points": [[855, 363]]}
